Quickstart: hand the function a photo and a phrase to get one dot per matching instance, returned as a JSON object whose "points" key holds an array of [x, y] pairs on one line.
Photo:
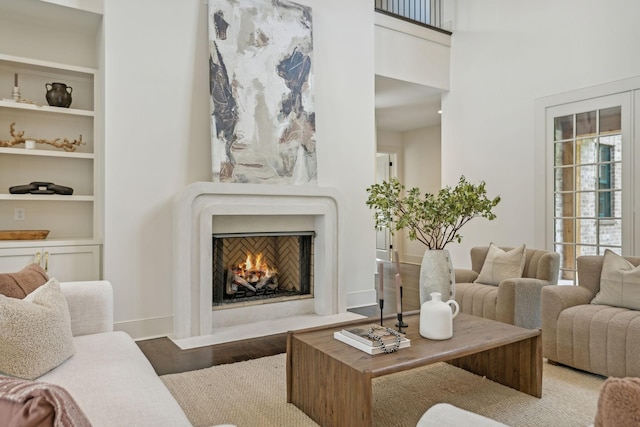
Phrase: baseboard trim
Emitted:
{"points": [[143, 329], [361, 299]]}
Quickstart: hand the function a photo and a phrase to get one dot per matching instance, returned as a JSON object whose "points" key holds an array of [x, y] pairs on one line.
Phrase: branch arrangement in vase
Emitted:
{"points": [[433, 219]]}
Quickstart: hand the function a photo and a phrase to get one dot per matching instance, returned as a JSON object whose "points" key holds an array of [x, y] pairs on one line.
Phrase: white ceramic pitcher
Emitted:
{"points": [[436, 318]]}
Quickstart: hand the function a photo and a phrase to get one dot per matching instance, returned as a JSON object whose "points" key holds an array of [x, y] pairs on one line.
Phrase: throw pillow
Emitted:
{"points": [[500, 265], [619, 282], [23, 282], [35, 332], [618, 403], [37, 404]]}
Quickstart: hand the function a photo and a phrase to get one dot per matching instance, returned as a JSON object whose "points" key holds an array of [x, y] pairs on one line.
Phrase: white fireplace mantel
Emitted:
{"points": [[196, 209]]}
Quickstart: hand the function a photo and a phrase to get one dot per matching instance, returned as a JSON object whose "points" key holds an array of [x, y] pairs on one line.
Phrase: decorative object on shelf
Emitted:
{"points": [[15, 94], [434, 220], [436, 318], [58, 94], [18, 138], [41, 188], [23, 234], [29, 144]]}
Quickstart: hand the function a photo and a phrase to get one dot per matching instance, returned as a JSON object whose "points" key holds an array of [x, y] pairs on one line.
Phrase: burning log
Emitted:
{"points": [[241, 281], [232, 288], [273, 284], [265, 280], [252, 274]]}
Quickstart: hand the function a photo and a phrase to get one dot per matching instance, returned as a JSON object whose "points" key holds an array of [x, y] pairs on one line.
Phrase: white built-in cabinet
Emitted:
{"points": [[72, 250], [66, 263]]}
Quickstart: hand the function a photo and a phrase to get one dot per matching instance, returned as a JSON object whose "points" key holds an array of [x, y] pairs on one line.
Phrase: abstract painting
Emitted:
{"points": [[261, 83]]}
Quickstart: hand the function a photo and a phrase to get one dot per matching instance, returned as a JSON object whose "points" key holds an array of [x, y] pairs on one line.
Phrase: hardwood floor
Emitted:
{"points": [[168, 358]]}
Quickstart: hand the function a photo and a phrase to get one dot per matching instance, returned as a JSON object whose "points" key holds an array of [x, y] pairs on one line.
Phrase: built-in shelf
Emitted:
{"points": [[47, 197], [45, 66], [7, 244], [72, 249], [44, 108], [46, 153]]}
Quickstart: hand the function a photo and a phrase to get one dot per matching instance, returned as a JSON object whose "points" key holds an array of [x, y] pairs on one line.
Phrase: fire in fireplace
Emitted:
{"points": [[261, 267], [253, 274]]}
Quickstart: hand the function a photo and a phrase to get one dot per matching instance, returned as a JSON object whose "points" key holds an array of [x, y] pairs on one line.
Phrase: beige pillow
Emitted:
{"points": [[35, 332], [619, 282], [500, 265]]}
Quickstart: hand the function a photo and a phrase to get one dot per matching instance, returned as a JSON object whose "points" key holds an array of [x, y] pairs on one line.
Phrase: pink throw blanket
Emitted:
{"points": [[26, 403]]}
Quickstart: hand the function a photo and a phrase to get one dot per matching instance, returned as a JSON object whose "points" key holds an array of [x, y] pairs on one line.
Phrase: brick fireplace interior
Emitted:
{"points": [[261, 268]]}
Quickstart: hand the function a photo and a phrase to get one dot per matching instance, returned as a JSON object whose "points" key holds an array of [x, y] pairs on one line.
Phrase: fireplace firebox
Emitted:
{"points": [[259, 268]]}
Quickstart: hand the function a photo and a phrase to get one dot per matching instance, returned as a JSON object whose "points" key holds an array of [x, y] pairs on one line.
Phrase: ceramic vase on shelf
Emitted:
{"points": [[436, 318], [436, 274], [58, 94]]}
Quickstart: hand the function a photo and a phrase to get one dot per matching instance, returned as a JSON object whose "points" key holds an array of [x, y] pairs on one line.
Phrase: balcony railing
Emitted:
{"points": [[422, 12]]}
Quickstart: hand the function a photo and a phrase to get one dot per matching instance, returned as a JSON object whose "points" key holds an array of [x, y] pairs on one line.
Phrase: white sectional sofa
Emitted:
{"points": [[108, 376], [446, 415]]}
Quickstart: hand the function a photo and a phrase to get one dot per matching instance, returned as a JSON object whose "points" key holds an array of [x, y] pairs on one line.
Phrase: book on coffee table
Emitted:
{"points": [[361, 333], [358, 337]]}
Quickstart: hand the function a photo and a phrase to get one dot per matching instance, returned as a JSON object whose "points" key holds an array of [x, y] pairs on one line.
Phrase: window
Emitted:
{"points": [[587, 185], [588, 145]]}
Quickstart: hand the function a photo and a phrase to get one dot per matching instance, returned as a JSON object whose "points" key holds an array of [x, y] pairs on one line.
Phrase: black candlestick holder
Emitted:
{"points": [[381, 302], [400, 323]]}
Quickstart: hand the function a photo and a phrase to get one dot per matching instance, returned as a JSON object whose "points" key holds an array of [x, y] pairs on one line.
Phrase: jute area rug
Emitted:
{"points": [[253, 393]]}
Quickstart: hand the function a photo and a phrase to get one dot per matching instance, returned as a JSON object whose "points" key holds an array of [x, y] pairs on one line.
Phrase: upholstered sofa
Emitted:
{"points": [[447, 415], [618, 406], [108, 376], [599, 338], [514, 300]]}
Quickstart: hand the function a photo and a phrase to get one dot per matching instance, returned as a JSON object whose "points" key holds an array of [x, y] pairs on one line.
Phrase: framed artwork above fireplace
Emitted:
{"points": [[261, 87]]}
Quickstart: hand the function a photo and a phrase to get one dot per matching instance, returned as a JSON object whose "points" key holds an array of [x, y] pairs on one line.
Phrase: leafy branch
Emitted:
{"points": [[434, 220]]}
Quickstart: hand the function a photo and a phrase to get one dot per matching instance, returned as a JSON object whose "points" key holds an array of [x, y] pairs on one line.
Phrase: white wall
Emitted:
{"points": [[421, 168], [418, 165], [505, 55], [411, 53], [157, 140]]}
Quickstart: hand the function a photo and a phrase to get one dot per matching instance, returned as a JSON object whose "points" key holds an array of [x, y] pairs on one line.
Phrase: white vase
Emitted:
{"points": [[436, 318], [436, 275]]}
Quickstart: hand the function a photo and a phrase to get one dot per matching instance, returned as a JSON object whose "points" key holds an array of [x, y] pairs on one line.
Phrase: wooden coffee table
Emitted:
{"points": [[331, 381]]}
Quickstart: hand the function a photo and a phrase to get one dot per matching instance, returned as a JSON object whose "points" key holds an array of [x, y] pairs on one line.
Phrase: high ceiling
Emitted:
{"points": [[402, 106]]}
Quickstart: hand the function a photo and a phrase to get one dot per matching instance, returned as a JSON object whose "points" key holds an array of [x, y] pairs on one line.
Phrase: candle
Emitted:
{"points": [[15, 80], [398, 293], [380, 281]]}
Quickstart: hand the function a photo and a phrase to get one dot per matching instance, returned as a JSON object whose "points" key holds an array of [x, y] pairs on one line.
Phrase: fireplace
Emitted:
{"points": [[260, 268], [203, 209]]}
